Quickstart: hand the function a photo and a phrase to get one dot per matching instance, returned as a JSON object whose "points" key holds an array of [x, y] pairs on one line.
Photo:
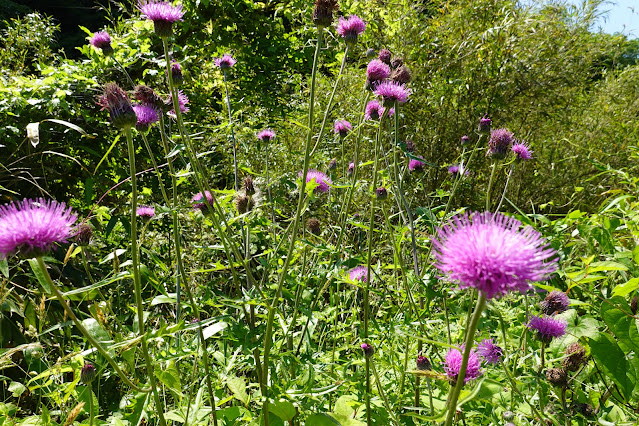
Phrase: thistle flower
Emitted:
{"points": [[555, 302], [423, 364], [381, 193], [145, 212], [102, 40], [401, 75], [576, 357], [465, 140], [323, 182], [342, 127], [225, 62], [146, 116], [266, 135], [556, 376], [376, 71], [458, 169], [453, 362], [499, 143], [33, 227], [410, 145], [147, 96], [201, 202], [490, 351], [83, 234], [374, 110], [350, 28], [313, 225], [547, 328], [323, 12], [490, 252], [385, 56], [351, 168], [182, 101], [522, 151], [332, 165], [163, 14], [485, 124], [358, 273], [392, 92], [368, 350], [87, 373], [176, 73], [415, 165], [116, 101]]}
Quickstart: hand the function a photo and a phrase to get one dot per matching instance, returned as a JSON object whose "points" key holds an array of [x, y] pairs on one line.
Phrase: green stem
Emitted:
{"points": [[516, 389], [58, 294], [298, 212], [490, 184], [503, 194], [136, 277], [228, 106], [91, 413], [155, 167], [468, 344], [391, 413], [86, 265]]}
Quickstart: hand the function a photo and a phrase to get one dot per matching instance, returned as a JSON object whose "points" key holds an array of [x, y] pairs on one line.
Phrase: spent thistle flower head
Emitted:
{"points": [[381, 193], [225, 62], [423, 364], [396, 63], [401, 75], [490, 351], [385, 56], [576, 357], [547, 328], [102, 40], [392, 92], [313, 225], [410, 145], [32, 227], [243, 203], [147, 96], [163, 14], [342, 127], [323, 12], [249, 186], [555, 302], [522, 151], [492, 253], [350, 28], [321, 179], [83, 234], [557, 377], [146, 116], [116, 101], [145, 212], [266, 135], [453, 362], [332, 165]]}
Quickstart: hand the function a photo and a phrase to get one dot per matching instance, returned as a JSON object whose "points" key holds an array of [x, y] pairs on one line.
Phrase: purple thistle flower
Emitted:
{"points": [[145, 212], [484, 124], [321, 179], [491, 253], [201, 202], [146, 115], [358, 273], [87, 373], [555, 302], [415, 165], [453, 362], [350, 28], [351, 168], [163, 14], [368, 350], [499, 143], [116, 101], [547, 328], [490, 351], [33, 227], [458, 169], [374, 110], [225, 62], [385, 56], [342, 127], [376, 71], [266, 135], [392, 92], [522, 151], [102, 40], [182, 101], [465, 140]]}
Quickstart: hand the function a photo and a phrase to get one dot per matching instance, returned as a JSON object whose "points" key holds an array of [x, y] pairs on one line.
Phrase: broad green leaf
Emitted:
{"points": [[611, 358], [170, 377], [618, 317], [213, 329], [238, 387], [606, 266], [626, 288], [4, 267], [39, 275], [283, 409], [17, 389], [321, 419]]}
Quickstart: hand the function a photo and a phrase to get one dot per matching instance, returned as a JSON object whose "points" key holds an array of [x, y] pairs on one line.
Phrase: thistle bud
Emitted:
{"points": [[116, 101], [485, 124], [332, 165], [368, 350], [423, 364], [83, 234], [176, 73], [381, 193], [385, 56], [88, 373]]}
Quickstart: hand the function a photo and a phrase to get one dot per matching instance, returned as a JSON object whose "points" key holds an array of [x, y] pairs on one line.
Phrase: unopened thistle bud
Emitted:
{"points": [[88, 373], [116, 101], [484, 124], [402, 75], [176, 73], [423, 364], [323, 12], [385, 56], [313, 225], [370, 53], [368, 350], [465, 140], [332, 165], [381, 193], [249, 188]]}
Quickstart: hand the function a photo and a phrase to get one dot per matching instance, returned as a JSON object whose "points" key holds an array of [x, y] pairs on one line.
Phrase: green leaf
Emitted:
{"points": [[283, 409], [618, 317], [238, 387], [626, 288], [321, 419], [214, 329], [4, 267], [606, 266], [39, 275], [611, 358], [170, 376], [17, 389]]}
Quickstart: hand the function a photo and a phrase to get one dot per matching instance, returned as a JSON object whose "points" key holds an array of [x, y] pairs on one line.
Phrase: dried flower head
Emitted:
{"points": [[492, 253], [116, 101], [490, 351], [402, 75], [423, 364], [323, 12], [350, 28], [163, 14], [33, 227], [102, 40], [321, 179], [385, 56], [396, 63], [392, 92], [243, 203], [555, 302], [249, 187], [83, 234], [145, 212], [358, 273], [146, 116], [556, 376], [415, 165], [313, 225], [225, 62], [88, 373], [176, 73], [266, 135], [576, 357], [547, 328], [147, 96], [522, 151], [202, 202], [381, 193], [499, 143], [453, 362], [342, 127], [484, 124]]}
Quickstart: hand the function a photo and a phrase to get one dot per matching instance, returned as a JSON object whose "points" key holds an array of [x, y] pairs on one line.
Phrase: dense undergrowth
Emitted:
{"points": [[282, 300]]}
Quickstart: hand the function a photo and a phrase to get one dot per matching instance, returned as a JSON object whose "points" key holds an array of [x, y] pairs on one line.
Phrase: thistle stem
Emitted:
{"points": [[228, 107], [490, 184], [503, 194]]}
